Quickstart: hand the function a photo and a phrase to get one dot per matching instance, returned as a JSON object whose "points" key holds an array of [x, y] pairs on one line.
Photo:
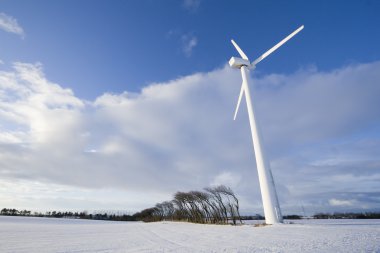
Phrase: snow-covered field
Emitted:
{"points": [[28, 234]]}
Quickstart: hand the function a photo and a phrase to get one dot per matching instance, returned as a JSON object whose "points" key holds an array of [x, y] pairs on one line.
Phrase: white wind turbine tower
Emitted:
{"points": [[271, 206]]}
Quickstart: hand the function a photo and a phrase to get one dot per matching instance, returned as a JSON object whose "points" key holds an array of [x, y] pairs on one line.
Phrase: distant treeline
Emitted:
{"points": [[216, 205], [219, 211], [72, 215], [367, 215]]}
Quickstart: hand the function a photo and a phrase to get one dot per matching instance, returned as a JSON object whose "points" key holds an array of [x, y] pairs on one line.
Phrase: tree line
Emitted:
{"points": [[215, 205], [366, 215], [68, 214]]}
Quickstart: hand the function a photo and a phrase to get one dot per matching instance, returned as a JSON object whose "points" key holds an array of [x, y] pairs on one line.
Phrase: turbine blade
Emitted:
{"points": [[242, 54], [276, 46], [238, 103]]}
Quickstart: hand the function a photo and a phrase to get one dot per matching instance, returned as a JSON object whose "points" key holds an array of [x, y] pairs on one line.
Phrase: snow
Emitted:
{"points": [[29, 234]]}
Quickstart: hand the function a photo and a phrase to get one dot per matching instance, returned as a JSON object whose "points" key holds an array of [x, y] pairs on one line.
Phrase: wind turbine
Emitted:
{"points": [[271, 206]]}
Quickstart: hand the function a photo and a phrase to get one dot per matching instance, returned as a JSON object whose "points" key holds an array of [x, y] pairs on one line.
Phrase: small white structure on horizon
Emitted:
{"points": [[272, 210]]}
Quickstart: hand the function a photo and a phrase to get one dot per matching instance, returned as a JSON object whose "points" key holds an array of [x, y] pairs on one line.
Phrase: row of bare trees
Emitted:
{"points": [[14, 212], [217, 205]]}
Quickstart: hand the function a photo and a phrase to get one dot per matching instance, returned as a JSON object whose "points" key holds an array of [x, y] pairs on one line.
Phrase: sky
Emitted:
{"points": [[117, 105]]}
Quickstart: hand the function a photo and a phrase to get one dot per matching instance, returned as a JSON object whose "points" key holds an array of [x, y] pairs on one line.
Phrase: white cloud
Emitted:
{"points": [[10, 24], [227, 178], [191, 5], [341, 202], [189, 42], [91, 151], [180, 135]]}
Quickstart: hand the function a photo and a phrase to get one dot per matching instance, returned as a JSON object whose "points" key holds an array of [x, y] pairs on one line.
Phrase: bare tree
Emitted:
{"points": [[217, 197], [168, 209], [232, 202]]}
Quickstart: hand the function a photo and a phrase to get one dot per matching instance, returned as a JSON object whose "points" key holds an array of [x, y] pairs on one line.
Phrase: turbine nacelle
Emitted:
{"points": [[237, 63]]}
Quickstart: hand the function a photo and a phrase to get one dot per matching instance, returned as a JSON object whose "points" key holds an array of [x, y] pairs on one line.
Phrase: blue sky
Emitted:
{"points": [[129, 44], [134, 100]]}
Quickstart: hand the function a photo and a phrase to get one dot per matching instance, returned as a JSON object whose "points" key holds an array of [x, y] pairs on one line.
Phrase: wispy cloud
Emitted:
{"points": [[341, 202], [191, 5], [227, 178], [10, 24], [189, 42], [179, 135]]}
